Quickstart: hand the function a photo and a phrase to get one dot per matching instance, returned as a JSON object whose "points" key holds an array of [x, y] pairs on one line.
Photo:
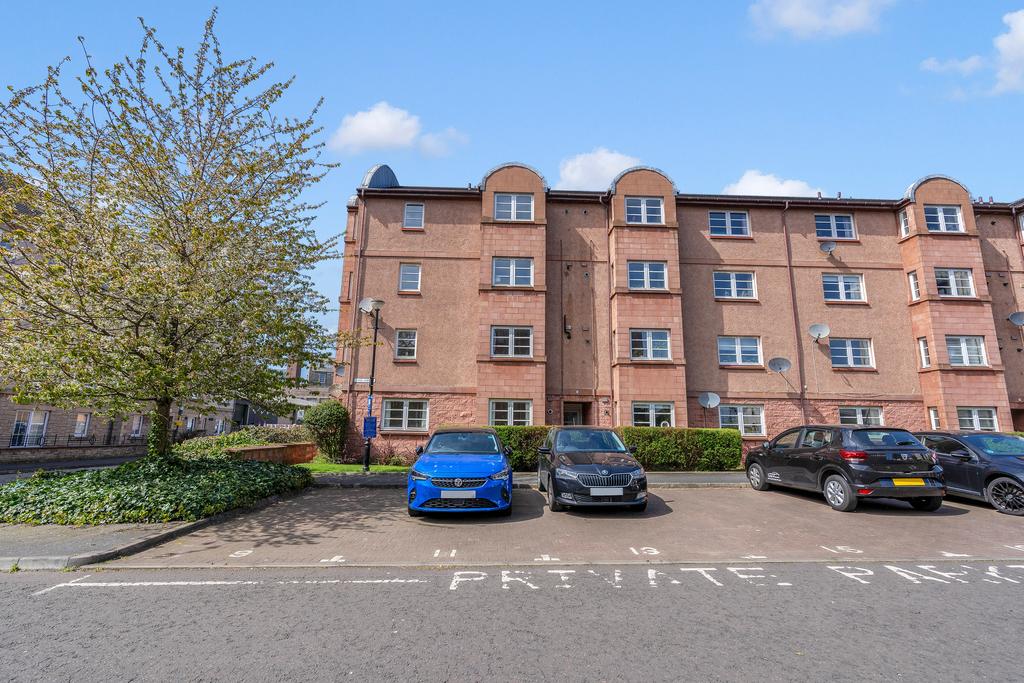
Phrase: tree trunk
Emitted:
{"points": [[159, 442]]}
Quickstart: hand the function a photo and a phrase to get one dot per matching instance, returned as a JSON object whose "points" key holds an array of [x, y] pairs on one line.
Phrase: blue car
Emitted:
{"points": [[461, 469]]}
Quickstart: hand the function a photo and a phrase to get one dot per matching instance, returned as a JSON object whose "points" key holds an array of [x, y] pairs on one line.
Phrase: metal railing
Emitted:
{"points": [[22, 439]]}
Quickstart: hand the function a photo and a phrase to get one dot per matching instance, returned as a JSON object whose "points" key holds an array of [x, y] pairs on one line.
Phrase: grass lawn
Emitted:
{"points": [[319, 466]]}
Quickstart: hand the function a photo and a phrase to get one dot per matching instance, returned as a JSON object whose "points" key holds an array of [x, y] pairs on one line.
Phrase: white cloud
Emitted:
{"points": [[817, 18], [753, 182], [441, 144], [1010, 58], [383, 126], [592, 170], [964, 67]]}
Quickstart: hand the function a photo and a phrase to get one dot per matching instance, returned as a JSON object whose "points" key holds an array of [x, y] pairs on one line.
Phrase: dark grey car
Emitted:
{"points": [[590, 467], [984, 466]]}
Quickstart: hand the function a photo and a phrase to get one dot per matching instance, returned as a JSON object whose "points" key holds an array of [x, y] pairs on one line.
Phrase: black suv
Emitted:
{"points": [[849, 463], [982, 465], [590, 466]]}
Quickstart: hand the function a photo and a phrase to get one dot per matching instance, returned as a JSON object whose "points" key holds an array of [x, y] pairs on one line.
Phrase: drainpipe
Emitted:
{"points": [[796, 314], [360, 283], [611, 332]]}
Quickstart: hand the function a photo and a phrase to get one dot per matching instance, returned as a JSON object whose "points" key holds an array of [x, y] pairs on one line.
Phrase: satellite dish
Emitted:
{"points": [[779, 364], [819, 331], [709, 399], [828, 247], [1017, 319]]}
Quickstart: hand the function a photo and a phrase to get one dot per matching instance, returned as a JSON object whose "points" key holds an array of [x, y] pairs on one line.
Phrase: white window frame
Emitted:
{"points": [[915, 285], [404, 426], [730, 230], [647, 215], [924, 352], [973, 415], [401, 277], [860, 415], [647, 344], [136, 430], [737, 350], [513, 264], [943, 224], [743, 421], [35, 423], [399, 343], [960, 341], [847, 343], [218, 426], [411, 224], [841, 279], [733, 287], [82, 427], [646, 267], [904, 219], [512, 330], [511, 407], [933, 418], [514, 204], [954, 287], [833, 228], [652, 408]]}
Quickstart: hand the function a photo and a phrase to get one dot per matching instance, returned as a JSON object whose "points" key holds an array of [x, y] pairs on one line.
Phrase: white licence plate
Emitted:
{"points": [[458, 494], [606, 491]]}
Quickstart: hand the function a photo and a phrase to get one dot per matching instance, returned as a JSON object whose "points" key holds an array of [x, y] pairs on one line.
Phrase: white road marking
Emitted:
{"points": [[546, 558], [949, 554], [841, 549], [437, 553], [1015, 547], [754, 557], [241, 553], [855, 573], [462, 577], [646, 550], [336, 558], [80, 583], [61, 585]]}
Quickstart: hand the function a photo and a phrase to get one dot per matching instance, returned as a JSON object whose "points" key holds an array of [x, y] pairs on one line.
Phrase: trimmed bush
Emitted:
{"points": [[524, 442], [146, 491], [215, 446], [327, 422], [280, 433], [670, 448]]}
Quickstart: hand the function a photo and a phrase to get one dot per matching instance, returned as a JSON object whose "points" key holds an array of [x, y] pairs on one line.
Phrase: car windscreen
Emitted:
{"points": [[588, 440], [996, 444], [884, 438], [463, 442]]}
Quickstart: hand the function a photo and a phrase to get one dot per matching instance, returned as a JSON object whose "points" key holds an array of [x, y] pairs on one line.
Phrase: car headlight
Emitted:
{"points": [[418, 476], [638, 473], [562, 473], [500, 475]]}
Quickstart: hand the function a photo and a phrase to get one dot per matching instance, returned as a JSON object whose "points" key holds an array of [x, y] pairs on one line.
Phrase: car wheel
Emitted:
{"points": [[540, 479], [1006, 495], [553, 500], [414, 513], [839, 494], [757, 477], [929, 504]]}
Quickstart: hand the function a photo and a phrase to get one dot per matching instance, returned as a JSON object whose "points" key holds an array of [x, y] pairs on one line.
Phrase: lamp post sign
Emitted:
{"points": [[369, 426], [372, 308]]}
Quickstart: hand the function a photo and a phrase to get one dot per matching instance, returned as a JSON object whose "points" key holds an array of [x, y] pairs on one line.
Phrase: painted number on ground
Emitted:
{"points": [[842, 549], [646, 550]]}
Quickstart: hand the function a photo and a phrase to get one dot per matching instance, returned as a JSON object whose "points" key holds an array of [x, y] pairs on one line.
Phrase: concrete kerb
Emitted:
{"points": [[391, 480]]}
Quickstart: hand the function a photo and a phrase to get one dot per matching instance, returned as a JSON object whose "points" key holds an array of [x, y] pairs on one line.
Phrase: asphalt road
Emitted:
{"points": [[945, 621]]}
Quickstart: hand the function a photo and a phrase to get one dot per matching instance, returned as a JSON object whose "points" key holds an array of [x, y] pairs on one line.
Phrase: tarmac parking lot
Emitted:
{"points": [[327, 527]]}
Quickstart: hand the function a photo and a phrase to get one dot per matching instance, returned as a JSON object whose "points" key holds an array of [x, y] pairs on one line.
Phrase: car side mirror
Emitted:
{"points": [[544, 450], [419, 450], [632, 449], [508, 450], [962, 454], [766, 445]]}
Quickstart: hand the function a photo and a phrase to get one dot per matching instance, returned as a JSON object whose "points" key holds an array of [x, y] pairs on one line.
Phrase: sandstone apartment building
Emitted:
{"points": [[512, 303]]}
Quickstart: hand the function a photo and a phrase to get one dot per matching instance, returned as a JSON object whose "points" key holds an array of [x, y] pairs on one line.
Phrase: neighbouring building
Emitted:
{"points": [[512, 303]]}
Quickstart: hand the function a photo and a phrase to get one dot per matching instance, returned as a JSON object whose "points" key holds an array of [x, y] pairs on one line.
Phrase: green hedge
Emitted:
{"points": [[327, 422], [658, 448], [256, 435]]}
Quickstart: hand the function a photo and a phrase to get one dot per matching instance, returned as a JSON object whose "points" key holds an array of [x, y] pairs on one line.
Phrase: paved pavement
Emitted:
{"points": [[944, 621], [333, 526], [49, 546]]}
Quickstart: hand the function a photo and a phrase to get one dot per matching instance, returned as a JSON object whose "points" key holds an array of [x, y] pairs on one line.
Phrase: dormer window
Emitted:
{"points": [[513, 207], [644, 211], [943, 219]]}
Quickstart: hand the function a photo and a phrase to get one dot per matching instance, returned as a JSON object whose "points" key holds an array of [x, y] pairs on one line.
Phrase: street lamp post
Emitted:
{"points": [[371, 307]]}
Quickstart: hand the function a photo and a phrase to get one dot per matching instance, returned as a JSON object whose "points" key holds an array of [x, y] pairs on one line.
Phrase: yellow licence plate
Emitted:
{"points": [[912, 481]]}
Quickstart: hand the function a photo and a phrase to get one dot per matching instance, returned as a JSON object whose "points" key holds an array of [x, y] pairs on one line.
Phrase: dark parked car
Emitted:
{"points": [[590, 466], [849, 463], [982, 465]]}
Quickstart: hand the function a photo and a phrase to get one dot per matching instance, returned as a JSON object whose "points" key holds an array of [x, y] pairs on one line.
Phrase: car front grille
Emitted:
{"points": [[625, 498], [606, 480], [459, 504], [457, 483]]}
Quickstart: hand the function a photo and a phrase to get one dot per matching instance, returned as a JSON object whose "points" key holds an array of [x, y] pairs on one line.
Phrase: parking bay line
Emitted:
{"points": [[81, 583]]}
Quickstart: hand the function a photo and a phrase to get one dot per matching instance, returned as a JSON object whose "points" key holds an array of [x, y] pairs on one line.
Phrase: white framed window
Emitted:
{"points": [[647, 275], [512, 272], [966, 350], [933, 418], [512, 342], [915, 285], [748, 419], [218, 427], [513, 207], [136, 426], [860, 415], [649, 345], [405, 344], [922, 347], [409, 277], [405, 415], [413, 217], [321, 378], [647, 414], [729, 223], [82, 421], [511, 412], [732, 285], [980, 419], [843, 287], [954, 282], [644, 210], [29, 428], [904, 223], [943, 219], [190, 424], [739, 351], [835, 226], [851, 353]]}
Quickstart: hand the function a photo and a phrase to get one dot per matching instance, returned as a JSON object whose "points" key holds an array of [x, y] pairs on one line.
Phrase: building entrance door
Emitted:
{"points": [[572, 414]]}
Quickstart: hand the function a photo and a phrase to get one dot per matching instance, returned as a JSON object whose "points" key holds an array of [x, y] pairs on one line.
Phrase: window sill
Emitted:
{"points": [[841, 240], [952, 299], [406, 432], [406, 293], [653, 362], [740, 366], [511, 359], [730, 237], [511, 288], [737, 300], [853, 369], [404, 361], [831, 302], [651, 226], [649, 291], [405, 229]]}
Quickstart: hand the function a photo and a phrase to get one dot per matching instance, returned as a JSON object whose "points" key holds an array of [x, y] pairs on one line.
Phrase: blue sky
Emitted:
{"points": [[758, 96]]}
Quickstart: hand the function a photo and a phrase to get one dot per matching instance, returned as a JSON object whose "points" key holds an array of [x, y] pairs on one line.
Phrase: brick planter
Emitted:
{"points": [[285, 454]]}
